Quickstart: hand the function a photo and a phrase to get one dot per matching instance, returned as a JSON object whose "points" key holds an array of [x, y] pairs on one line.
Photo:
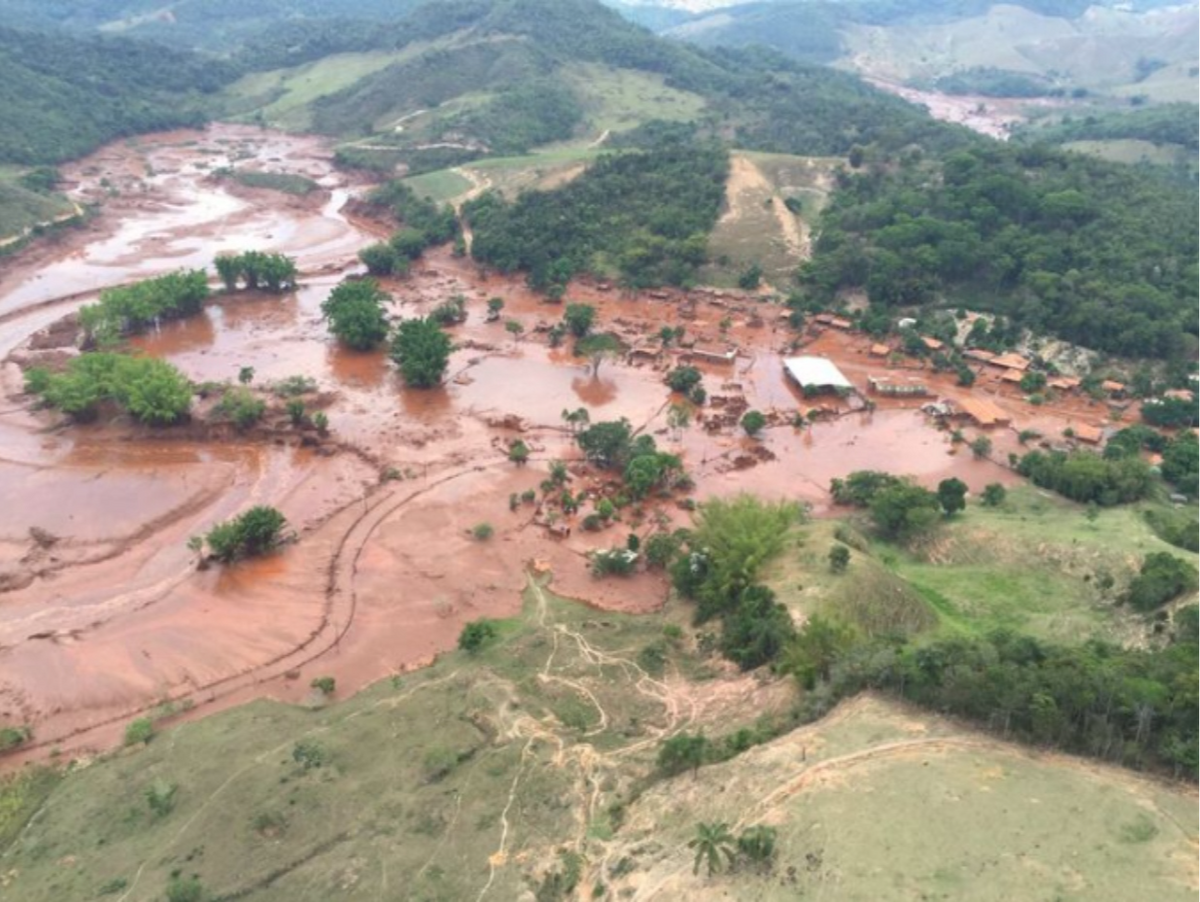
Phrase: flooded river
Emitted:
{"points": [[103, 612]]}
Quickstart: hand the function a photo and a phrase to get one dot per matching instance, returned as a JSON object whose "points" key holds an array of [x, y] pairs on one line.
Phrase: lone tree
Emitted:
{"points": [[753, 422], [994, 494], [422, 351], [713, 841], [475, 635], [981, 447], [904, 510], [579, 318], [380, 259], [952, 495], [355, 313]]}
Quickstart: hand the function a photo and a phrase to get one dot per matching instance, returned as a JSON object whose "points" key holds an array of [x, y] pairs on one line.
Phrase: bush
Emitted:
{"points": [[952, 495], [662, 548], [380, 259], [475, 635], [12, 737], [482, 531], [185, 889], [860, 487], [518, 453], [994, 494], [296, 413], [326, 685], [839, 558], [614, 561], [309, 755], [139, 732], [256, 532], [135, 308], [1162, 577], [981, 447], [241, 407], [160, 796]]}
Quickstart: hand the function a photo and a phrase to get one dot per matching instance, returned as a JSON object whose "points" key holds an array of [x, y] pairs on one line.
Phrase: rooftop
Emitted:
{"points": [[816, 371], [1010, 361], [982, 411]]}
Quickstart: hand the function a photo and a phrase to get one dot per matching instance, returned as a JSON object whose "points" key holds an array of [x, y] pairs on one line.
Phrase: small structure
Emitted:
{"points": [[906, 322], [1010, 361], [983, 412], [1178, 394], [932, 343], [1014, 376], [829, 319], [1063, 383], [1087, 433], [979, 354], [880, 350], [817, 374], [881, 385], [645, 353], [712, 352], [1113, 388]]}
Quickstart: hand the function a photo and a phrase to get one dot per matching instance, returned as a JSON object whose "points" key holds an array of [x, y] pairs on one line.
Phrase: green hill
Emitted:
{"points": [[61, 96]]}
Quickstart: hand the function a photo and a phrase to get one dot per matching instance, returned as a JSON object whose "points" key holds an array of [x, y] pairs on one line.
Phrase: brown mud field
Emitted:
{"points": [[104, 614]]}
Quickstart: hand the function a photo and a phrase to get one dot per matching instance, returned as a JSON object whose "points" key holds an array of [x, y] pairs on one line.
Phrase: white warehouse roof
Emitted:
{"points": [[819, 372]]}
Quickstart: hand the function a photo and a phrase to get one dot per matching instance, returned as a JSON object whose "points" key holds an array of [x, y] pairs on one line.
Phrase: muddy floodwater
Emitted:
{"points": [[103, 611]]}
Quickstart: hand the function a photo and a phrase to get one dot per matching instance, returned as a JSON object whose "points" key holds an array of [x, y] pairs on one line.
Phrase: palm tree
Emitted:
{"points": [[711, 842]]}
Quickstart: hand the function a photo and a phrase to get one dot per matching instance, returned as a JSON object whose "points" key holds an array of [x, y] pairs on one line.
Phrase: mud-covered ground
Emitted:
{"points": [[103, 612]]}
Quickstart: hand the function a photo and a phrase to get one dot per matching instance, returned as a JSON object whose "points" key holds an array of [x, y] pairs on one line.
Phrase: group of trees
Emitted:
{"points": [[419, 347], [425, 224], [1180, 454], [258, 271], [1087, 477], [899, 508], [719, 568], [1132, 706], [612, 445], [134, 308], [1061, 243], [646, 215], [151, 390]]}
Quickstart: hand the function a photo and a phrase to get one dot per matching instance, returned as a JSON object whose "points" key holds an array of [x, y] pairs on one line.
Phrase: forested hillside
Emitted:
{"points": [[644, 214], [61, 96], [1087, 250]]}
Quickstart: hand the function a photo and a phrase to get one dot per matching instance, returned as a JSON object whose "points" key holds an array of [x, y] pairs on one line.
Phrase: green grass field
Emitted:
{"points": [[441, 186], [879, 802], [617, 100], [282, 95], [1134, 151]]}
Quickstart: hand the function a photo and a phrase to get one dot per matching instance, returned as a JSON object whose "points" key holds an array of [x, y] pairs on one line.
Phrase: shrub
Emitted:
{"points": [[839, 558], [321, 422], [904, 510], [475, 635], [1161, 578], [518, 453], [296, 413], [255, 532], [952, 495], [380, 259], [482, 531], [241, 407], [326, 685], [662, 548], [994, 494], [160, 796], [12, 737], [139, 732], [614, 561], [981, 447], [185, 889], [309, 754]]}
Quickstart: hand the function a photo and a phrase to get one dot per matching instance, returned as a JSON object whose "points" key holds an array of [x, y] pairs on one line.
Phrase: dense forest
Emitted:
{"points": [[645, 214], [61, 96], [1063, 244]]}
